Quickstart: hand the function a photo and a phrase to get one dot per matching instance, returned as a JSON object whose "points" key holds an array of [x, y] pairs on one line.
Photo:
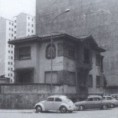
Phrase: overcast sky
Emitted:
{"points": [[10, 8]]}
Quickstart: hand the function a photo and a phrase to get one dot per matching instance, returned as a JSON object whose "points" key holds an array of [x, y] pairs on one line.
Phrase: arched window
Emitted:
{"points": [[50, 51]]}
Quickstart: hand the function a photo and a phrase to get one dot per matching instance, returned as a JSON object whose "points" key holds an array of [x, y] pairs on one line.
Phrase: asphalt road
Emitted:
{"points": [[110, 113]]}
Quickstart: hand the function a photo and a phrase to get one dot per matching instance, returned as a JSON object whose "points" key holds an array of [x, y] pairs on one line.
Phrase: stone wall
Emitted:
{"points": [[26, 96]]}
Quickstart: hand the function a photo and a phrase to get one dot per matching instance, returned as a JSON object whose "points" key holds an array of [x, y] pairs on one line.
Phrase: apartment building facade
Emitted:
{"points": [[21, 25], [24, 25], [68, 60], [7, 50]]}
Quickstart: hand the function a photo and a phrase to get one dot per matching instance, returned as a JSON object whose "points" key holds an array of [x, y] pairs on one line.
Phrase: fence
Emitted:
{"points": [[25, 96]]}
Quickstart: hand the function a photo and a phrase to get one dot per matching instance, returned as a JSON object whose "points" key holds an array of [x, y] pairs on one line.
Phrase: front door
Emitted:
{"points": [[82, 81], [90, 103], [57, 103], [24, 76]]}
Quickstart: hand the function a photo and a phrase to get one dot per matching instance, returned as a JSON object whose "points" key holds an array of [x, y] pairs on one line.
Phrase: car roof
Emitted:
{"points": [[107, 96], [94, 96], [59, 96], [114, 94]]}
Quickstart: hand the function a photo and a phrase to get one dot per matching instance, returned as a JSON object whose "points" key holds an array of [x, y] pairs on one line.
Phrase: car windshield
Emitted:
{"points": [[107, 98]]}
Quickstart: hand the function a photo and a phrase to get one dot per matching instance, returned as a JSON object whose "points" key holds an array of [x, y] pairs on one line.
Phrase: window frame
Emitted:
{"points": [[59, 99], [50, 51], [21, 55], [90, 84], [98, 83], [50, 100], [86, 54]]}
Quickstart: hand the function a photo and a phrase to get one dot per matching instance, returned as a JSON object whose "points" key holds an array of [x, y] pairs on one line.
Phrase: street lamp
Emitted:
{"points": [[51, 40]]}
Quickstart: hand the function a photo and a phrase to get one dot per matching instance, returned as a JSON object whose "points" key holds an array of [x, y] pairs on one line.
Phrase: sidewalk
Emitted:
{"points": [[17, 110]]}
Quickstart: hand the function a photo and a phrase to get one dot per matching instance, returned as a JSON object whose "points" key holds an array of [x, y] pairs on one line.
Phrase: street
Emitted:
{"points": [[110, 113]]}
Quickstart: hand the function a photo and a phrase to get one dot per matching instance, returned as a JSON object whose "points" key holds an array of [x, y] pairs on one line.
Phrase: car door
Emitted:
{"points": [[89, 103], [49, 104], [57, 103], [97, 102]]}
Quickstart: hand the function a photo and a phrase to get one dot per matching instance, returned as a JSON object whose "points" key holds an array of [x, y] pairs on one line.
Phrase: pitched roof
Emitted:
{"points": [[42, 38], [36, 38], [89, 39]]}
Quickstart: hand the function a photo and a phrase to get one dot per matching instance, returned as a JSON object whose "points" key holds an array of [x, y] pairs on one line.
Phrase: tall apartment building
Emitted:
{"points": [[24, 25], [6, 50]]}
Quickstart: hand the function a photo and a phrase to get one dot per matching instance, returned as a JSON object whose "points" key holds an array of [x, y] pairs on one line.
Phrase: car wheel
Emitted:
{"points": [[112, 105], [38, 109], [81, 107], [63, 109], [104, 107]]}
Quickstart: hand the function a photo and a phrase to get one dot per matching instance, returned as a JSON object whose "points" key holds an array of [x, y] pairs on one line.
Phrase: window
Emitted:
{"points": [[90, 99], [86, 56], [50, 99], [51, 77], [90, 81], [71, 80], [98, 60], [23, 53], [98, 78], [11, 57], [69, 50], [24, 75], [60, 49], [97, 99], [101, 67], [50, 51], [58, 100]]}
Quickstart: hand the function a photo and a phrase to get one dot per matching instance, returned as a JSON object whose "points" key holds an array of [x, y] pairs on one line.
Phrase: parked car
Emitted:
{"points": [[112, 100], [93, 102], [56, 103], [115, 96]]}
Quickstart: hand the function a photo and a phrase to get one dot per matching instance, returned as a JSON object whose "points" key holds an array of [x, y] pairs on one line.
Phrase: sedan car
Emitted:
{"points": [[56, 103], [112, 100], [93, 102]]}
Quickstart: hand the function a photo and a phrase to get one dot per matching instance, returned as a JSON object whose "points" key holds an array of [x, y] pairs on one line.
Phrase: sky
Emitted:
{"points": [[11, 8]]}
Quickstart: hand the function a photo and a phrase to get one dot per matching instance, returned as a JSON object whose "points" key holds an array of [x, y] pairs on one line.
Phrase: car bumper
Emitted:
{"points": [[73, 108]]}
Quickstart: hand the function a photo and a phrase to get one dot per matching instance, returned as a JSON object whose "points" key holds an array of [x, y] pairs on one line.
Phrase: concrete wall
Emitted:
{"points": [[96, 17], [26, 96], [95, 71], [111, 90]]}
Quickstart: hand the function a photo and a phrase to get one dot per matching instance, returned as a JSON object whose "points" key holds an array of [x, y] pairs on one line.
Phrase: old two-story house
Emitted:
{"points": [[60, 59]]}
